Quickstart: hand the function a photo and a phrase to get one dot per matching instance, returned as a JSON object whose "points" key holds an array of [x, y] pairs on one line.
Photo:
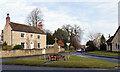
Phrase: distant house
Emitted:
{"points": [[97, 41], [28, 37], [113, 43]]}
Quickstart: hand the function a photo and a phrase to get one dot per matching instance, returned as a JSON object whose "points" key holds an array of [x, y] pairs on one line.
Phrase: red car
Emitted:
{"points": [[54, 57]]}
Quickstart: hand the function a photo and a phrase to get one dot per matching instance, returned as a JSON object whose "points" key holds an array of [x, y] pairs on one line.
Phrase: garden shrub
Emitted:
{"points": [[103, 47], [91, 48], [17, 47], [4, 44], [65, 47], [7, 47]]}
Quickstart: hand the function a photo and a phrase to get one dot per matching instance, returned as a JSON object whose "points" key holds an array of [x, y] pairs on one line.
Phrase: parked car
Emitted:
{"points": [[79, 50], [54, 57]]}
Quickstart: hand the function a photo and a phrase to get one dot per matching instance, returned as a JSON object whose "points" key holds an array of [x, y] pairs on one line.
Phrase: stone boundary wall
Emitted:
{"points": [[16, 53], [27, 52]]}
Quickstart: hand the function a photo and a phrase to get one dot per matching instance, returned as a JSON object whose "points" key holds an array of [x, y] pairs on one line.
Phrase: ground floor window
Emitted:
{"points": [[117, 45], [38, 45], [22, 44]]}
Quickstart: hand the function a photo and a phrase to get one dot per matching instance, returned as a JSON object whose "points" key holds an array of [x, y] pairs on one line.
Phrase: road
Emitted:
{"points": [[21, 67], [88, 56]]}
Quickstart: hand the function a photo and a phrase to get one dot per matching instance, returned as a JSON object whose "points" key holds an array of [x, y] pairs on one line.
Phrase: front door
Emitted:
{"points": [[31, 45], [43, 51]]}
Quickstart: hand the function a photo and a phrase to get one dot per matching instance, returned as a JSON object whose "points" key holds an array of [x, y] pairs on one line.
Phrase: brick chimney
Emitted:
{"points": [[40, 25], [7, 18]]}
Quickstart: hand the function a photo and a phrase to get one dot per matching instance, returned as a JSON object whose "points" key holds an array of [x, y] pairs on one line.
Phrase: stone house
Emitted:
{"points": [[113, 43], [28, 37], [97, 41]]}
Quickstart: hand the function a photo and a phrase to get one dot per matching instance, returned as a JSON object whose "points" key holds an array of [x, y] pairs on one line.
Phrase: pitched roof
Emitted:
{"points": [[111, 38], [116, 31], [25, 28]]}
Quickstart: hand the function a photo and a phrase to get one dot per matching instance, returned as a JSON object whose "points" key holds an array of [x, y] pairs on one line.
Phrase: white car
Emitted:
{"points": [[79, 50]]}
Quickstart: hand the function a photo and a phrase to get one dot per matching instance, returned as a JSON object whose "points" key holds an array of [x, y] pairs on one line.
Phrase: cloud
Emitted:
{"points": [[18, 11], [102, 22], [56, 19], [75, 1]]}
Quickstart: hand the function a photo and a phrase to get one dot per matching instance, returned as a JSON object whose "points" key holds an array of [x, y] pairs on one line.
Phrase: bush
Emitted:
{"points": [[4, 44], [71, 48], [103, 47], [91, 48], [17, 47], [65, 47], [7, 47]]}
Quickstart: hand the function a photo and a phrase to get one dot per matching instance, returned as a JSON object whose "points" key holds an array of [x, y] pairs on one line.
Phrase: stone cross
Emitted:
{"points": [[55, 40], [55, 46]]}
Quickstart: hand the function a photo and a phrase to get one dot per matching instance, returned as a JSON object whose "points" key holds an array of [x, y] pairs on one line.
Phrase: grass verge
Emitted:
{"points": [[36, 61], [73, 62], [105, 53]]}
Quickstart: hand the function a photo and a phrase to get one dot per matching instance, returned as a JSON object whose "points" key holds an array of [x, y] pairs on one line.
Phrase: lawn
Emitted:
{"points": [[105, 53], [36, 61], [73, 62]]}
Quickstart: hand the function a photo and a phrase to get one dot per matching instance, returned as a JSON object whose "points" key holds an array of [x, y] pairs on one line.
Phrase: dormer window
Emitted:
{"points": [[22, 35], [31, 35]]}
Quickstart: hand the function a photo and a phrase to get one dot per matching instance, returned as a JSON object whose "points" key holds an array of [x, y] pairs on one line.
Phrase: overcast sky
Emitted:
{"points": [[91, 15]]}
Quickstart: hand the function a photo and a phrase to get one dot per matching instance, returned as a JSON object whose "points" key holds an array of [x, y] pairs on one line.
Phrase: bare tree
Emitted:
{"points": [[92, 36], [95, 37], [47, 31], [75, 34], [34, 17]]}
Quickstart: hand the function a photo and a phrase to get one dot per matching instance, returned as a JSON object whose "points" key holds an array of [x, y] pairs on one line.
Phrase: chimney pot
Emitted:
{"points": [[40, 25], [7, 14], [7, 18]]}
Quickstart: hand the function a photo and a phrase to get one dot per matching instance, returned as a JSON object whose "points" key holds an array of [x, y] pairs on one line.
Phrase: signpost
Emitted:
{"points": [[68, 44]]}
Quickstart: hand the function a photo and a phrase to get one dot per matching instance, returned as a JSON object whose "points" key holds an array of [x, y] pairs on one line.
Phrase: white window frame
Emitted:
{"points": [[39, 45], [24, 35], [118, 43], [115, 45], [32, 36], [24, 44], [37, 37]]}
